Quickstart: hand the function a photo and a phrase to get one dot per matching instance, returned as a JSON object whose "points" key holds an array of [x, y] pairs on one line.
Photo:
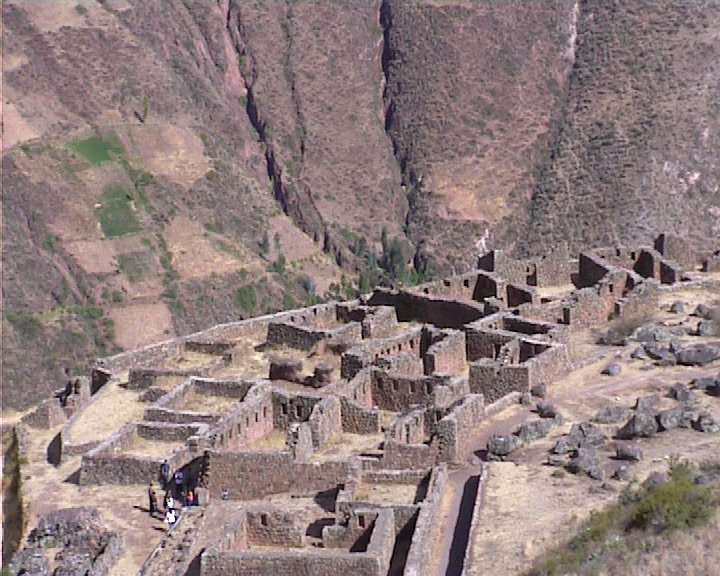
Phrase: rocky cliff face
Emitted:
{"points": [[168, 165], [636, 150]]}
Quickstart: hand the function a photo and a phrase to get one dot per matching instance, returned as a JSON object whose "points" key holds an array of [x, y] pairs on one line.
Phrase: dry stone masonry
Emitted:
{"points": [[304, 418]]}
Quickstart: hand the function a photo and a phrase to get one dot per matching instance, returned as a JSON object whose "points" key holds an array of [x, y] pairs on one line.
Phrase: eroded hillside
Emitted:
{"points": [[171, 165]]}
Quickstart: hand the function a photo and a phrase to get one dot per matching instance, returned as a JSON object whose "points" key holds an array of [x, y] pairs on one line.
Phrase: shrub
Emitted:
{"points": [[677, 504], [28, 325], [621, 328], [246, 298]]}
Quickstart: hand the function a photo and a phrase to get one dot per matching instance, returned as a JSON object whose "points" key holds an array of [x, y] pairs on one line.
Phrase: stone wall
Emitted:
{"points": [[248, 421], [401, 455], [225, 388], [494, 380], [168, 432], [485, 342], [426, 309], [108, 464], [676, 248], [294, 336], [208, 346], [591, 269], [250, 475], [586, 308], [427, 526], [48, 414], [640, 302], [307, 337], [461, 287], [360, 356], [274, 528], [454, 431], [289, 408], [542, 363], [394, 392], [552, 269], [446, 355], [517, 294], [142, 378], [380, 323], [325, 420], [407, 428], [359, 388], [357, 419]]}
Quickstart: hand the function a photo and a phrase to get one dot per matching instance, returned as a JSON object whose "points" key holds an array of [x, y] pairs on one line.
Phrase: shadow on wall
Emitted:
{"points": [[462, 527], [54, 450]]}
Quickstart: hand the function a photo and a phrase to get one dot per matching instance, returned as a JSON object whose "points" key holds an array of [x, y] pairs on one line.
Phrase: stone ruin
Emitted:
{"points": [[73, 540], [381, 391]]}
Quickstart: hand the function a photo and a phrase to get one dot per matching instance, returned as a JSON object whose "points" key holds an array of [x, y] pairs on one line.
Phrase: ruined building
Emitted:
{"points": [[330, 429]]}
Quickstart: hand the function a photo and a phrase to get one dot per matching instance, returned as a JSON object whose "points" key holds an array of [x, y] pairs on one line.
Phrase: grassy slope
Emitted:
{"points": [[666, 527]]}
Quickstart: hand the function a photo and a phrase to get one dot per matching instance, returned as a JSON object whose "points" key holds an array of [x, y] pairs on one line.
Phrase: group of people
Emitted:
{"points": [[176, 487]]}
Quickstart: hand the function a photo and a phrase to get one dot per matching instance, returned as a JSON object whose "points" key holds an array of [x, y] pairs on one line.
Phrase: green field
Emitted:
{"points": [[115, 213], [98, 150]]}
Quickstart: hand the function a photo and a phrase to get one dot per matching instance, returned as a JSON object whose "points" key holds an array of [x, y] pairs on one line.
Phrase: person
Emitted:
{"points": [[190, 500], [170, 518], [225, 494], [169, 501], [152, 497], [179, 483], [165, 474]]}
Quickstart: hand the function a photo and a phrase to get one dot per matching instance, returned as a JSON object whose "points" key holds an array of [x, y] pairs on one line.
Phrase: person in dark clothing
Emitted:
{"points": [[153, 503], [165, 474], [179, 484]]}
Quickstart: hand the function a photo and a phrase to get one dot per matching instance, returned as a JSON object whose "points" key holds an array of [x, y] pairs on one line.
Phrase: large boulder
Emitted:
{"points": [[621, 473], [698, 354], [586, 461], [502, 445], [703, 383], [703, 311], [669, 419], [611, 415], [629, 452], [678, 307], [647, 403], [652, 333], [612, 369], [531, 431], [545, 410], [641, 424], [706, 423], [539, 390], [680, 392], [708, 328], [659, 352], [583, 435]]}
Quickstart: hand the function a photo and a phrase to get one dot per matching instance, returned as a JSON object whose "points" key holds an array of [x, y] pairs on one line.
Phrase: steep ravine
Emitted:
{"points": [[295, 200]]}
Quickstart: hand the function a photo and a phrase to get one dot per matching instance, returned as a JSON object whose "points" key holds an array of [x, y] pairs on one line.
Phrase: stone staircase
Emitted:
{"points": [[173, 555]]}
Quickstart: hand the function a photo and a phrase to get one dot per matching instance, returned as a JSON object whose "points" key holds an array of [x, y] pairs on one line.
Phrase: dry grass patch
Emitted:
{"points": [[146, 448], [343, 446], [273, 442], [382, 494], [208, 403], [109, 410]]}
